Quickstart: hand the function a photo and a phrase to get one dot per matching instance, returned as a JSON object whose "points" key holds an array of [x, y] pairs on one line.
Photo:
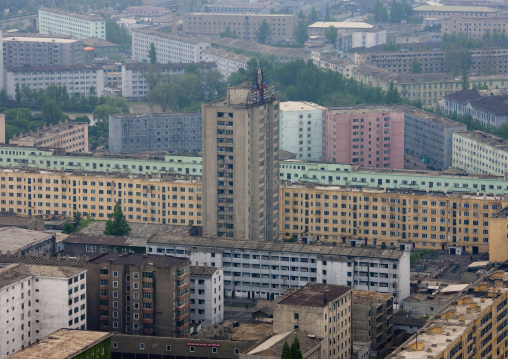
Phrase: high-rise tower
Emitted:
{"points": [[241, 163]]}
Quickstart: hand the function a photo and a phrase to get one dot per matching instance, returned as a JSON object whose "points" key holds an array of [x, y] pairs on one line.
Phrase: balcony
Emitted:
{"points": [[104, 287], [104, 307], [104, 329], [104, 317], [148, 321], [147, 311], [147, 290], [147, 331], [147, 280], [183, 316]]}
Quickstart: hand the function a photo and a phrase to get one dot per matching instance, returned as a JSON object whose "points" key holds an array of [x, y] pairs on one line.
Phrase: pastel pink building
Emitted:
{"points": [[370, 136]]}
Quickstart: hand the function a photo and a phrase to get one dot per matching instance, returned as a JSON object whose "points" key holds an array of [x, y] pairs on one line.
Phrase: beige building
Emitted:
{"points": [[323, 310], [242, 25], [69, 136], [241, 163], [474, 27], [498, 244]]}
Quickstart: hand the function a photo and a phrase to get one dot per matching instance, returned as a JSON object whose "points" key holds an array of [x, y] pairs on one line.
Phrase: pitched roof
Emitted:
{"points": [[16, 272], [15, 239], [203, 271], [139, 260], [488, 100], [42, 260]]}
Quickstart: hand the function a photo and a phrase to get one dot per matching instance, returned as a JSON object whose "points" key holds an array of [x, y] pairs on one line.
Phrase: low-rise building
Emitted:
{"points": [[319, 28], [22, 241], [323, 310], [370, 136], [31, 223], [301, 129], [146, 11], [101, 48], [169, 132], [81, 245], [435, 9], [227, 61], [348, 40], [330, 60], [78, 79], [68, 136], [60, 22], [37, 300], [206, 294], [480, 152], [69, 344]]}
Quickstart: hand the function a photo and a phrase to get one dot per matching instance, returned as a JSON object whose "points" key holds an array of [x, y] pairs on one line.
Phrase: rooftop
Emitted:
{"points": [[243, 15], [54, 68], [315, 295], [341, 25], [48, 131], [227, 54], [62, 344], [364, 109], [455, 8], [431, 117], [203, 271], [104, 240], [276, 342], [485, 139], [181, 65], [492, 101], [157, 31], [139, 260], [14, 239], [300, 106], [367, 295], [39, 39], [16, 272], [41, 260], [95, 42], [255, 47], [90, 17], [138, 230], [165, 114]]}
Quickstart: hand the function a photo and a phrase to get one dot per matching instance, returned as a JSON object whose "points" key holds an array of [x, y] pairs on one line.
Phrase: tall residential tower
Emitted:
{"points": [[241, 163]]}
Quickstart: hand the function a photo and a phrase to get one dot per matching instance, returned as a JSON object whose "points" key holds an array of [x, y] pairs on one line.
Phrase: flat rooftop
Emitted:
{"points": [[341, 25], [300, 106], [454, 8], [138, 260], [39, 39], [51, 130], [62, 344], [138, 230], [367, 295], [276, 342], [485, 138], [365, 109], [13, 273], [90, 17], [13, 239], [315, 295], [104, 240]]}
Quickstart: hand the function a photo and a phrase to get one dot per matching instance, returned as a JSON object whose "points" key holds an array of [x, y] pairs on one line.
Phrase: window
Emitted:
{"points": [[141, 346], [168, 348], [297, 316], [115, 344], [214, 350], [192, 349]]}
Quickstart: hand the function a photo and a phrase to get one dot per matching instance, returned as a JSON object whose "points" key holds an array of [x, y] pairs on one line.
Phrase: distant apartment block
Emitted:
{"points": [[330, 60], [206, 294], [39, 50], [301, 129], [242, 25], [236, 8], [134, 84], [146, 11], [36, 301], [429, 137], [473, 26], [480, 152], [371, 136], [227, 61], [435, 10], [69, 136], [2, 67], [139, 294], [170, 132], [59, 22], [319, 28], [360, 39], [486, 106], [169, 47], [78, 79]]}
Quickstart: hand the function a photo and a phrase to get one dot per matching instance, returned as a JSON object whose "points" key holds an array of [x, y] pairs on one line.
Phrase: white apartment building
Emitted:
{"points": [[266, 269], [36, 300], [168, 47], [301, 129], [207, 294], [480, 152], [77, 78], [227, 61], [134, 84], [59, 22]]}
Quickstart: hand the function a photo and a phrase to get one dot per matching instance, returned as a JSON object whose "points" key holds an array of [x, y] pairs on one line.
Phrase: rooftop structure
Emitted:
{"points": [[315, 295], [41, 260], [25, 241], [138, 260], [203, 271], [140, 230]]}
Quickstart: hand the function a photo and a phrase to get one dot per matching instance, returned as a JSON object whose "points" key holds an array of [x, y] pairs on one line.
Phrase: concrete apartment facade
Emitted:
{"points": [[206, 294], [472, 26], [265, 270], [241, 163], [242, 25], [37, 300], [135, 85], [227, 61], [170, 132], [148, 11], [301, 129], [371, 136], [480, 152], [476, 12], [320, 309], [41, 51], [429, 137], [77, 78], [139, 294], [319, 28], [168, 46], [69, 136], [59, 22]]}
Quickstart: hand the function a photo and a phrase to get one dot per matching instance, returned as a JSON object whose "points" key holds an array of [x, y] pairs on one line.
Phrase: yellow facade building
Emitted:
{"points": [[498, 243]]}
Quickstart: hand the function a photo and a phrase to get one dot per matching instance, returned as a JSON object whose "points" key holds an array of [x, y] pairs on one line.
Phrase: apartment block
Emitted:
{"points": [[139, 294], [77, 78], [170, 132], [429, 137], [364, 39], [320, 309], [266, 270], [68, 136], [169, 47], [473, 26], [498, 245], [2, 77], [242, 25], [227, 61], [37, 300], [39, 50], [330, 60], [134, 83], [301, 129], [370, 136], [148, 11], [372, 318], [319, 28], [206, 294], [476, 12], [480, 152], [241, 163], [236, 7], [473, 326], [60, 22], [426, 220], [487, 106]]}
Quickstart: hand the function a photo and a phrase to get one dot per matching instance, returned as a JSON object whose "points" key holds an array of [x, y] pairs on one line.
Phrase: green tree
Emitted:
{"points": [[118, 35], [117, 224], [51, 112], [295, 350], [415, 66], [263, 32], [68, 228], [464, 79], [328, 16], [331, 34], [301, 15], [18, 94], [380, 12], [286, 351], [301, 32], [313, 16], [392, 96], [228, 33], [152, 54]]}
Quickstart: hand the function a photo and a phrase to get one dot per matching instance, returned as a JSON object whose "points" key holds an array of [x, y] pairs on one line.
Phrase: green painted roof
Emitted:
{"points": [[451, 8]]}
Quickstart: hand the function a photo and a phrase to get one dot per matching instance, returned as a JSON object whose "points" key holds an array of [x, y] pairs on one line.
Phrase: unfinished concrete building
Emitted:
{"points": [[372, 318]]}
